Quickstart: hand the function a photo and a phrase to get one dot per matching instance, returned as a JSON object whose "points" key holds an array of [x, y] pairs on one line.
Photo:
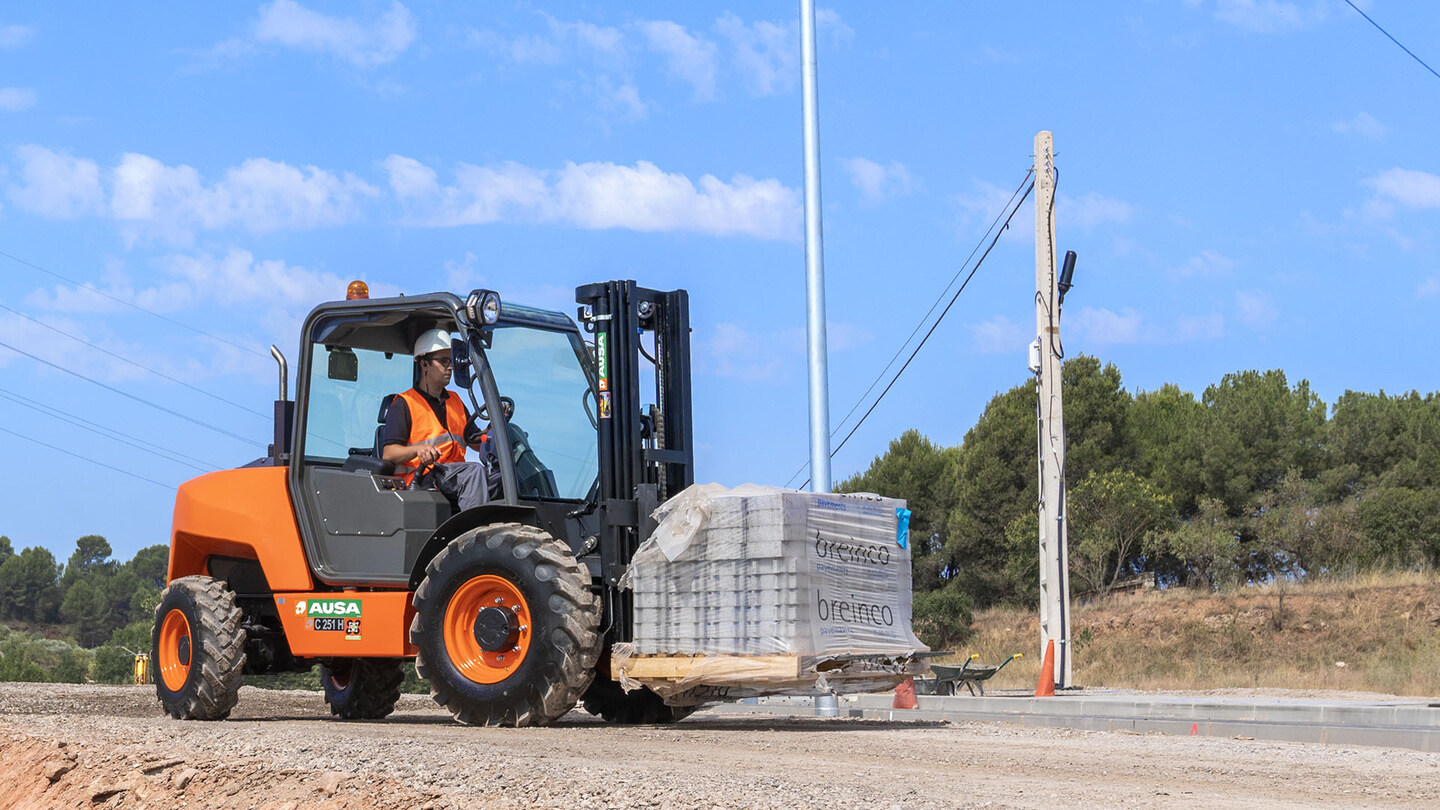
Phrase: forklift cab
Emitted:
{"points": [[513, 366]]}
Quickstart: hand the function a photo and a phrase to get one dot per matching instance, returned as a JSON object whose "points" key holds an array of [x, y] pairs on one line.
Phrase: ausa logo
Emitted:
{"points": [[329, 607]]}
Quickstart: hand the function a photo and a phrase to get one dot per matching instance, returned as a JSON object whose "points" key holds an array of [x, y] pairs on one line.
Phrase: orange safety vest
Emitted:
{"points": [[426, 429]]}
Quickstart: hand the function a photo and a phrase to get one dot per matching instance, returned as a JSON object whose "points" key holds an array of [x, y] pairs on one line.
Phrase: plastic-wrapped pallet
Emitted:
{"points": [[760, 590]]}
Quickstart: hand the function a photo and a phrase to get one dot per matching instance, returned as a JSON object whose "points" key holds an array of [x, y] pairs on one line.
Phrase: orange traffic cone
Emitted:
{"points": [[1046, 687], [904, 695]]}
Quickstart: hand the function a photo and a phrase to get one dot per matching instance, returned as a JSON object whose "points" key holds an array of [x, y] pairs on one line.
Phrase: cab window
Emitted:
{"points": [[341, 412]]}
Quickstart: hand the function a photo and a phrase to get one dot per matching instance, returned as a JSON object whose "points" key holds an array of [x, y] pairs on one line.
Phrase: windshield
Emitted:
{"points": [[541, 371], [342, 413]]}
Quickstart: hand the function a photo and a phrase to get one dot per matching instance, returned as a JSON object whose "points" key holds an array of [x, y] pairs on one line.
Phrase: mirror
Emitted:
{"points": [[343, 364], [460, 357]]}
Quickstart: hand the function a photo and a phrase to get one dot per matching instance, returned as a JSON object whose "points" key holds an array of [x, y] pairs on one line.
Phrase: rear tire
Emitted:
{"points": [[198, 648], [505, 624], [362, 688]]}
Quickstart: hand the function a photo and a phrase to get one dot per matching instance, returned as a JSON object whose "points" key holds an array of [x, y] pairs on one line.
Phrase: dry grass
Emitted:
{"points": [[1373, 633]]}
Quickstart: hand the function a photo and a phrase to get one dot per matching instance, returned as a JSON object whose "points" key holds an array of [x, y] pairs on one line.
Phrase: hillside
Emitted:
{"points": [[1372, 634]]}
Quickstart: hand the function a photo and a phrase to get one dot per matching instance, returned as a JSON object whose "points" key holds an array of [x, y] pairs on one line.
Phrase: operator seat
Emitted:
{"points": [[371, 459]]}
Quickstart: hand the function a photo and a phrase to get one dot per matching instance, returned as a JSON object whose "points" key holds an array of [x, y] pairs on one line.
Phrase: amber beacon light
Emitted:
{"points": [[357, 291]]}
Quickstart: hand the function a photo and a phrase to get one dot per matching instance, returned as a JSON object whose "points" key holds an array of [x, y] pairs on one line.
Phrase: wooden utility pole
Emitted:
{"points": [[1054, 551]]}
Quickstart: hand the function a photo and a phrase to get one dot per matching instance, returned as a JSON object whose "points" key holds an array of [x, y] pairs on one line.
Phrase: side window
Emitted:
{"points": [[341, 412]]}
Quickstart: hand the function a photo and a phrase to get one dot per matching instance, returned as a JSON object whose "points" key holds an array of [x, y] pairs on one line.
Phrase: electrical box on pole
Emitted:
{"points": [[1050, 423]]}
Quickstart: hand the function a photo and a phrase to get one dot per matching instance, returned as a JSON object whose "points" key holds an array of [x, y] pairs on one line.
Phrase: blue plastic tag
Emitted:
{"points": [[902, 527]]}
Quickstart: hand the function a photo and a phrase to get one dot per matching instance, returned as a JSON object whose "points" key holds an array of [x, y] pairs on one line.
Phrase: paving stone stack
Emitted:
{"points": [[765, 571]]}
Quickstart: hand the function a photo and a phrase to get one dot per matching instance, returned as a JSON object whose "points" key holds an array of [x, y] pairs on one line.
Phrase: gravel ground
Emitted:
{"points": [[91, 746]]}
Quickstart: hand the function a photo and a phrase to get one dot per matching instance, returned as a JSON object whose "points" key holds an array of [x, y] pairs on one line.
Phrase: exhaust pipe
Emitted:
{"points": [[284, 414]]}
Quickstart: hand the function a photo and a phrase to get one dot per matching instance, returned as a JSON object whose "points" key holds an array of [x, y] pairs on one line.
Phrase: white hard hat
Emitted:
{"points": [[436, 340]]}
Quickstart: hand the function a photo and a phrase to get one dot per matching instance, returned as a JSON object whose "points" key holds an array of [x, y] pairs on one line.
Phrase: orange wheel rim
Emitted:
{"points": [[175, 650], [469, 658]]}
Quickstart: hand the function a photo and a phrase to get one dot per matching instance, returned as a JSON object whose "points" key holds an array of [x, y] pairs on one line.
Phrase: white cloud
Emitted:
{"points": [[41, 340], [363, 45], [1255, 309], [687, 56], [980, 207], [1000, 335], [1363, 124], [1403, 188], [616, 96], [1190, 328], [1208, 264], [602, 52], [877, 182], [1429, 288], [238, 278], [55, 184], [1270, 16], [13, 36], [767, 53], [1090, 211], [462, 274], [1100, 326], [598, 195], [409, 178], [731, 350], [15, 99], [259, 195]]}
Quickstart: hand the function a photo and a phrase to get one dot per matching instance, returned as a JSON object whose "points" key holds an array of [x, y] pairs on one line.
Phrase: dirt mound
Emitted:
{"points": [[41, 773]]}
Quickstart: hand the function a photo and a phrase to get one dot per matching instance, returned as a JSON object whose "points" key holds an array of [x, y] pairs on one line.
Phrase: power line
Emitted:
{"points": [[86, 458], [923, 319], [113, 389], [132, 305], [1391, 38], [140, 366], [172, 456], [933, 326], [931, 311]]}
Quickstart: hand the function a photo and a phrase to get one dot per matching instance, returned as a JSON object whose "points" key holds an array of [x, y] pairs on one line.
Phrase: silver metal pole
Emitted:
{"points": [[814, 263]]}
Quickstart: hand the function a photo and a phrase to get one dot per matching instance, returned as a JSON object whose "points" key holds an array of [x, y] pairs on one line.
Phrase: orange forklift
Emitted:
{"points": [[320, 553]]}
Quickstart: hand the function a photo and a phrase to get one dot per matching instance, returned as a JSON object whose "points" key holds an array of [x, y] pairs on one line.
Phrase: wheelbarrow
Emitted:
{"points": [[971, 674]]}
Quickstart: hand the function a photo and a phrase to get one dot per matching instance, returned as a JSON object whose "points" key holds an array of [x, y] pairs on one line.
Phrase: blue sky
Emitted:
{"points": [[1248, 183]]}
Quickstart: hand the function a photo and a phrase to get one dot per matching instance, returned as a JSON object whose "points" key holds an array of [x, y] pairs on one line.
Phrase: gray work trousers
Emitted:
{"points": [[465, 481]]}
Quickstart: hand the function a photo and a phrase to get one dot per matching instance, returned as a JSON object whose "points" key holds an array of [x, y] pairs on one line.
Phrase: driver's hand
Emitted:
{"points": [[426, 453]]}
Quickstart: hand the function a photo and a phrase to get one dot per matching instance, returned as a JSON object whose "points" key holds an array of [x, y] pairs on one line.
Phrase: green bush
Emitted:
{"points": [[942, 618]]}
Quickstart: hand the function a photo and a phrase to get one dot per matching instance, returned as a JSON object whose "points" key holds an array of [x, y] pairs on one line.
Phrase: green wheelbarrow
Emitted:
{"points": [[971, 674]]}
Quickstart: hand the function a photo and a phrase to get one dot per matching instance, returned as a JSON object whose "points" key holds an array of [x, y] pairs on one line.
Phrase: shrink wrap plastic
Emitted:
{"points": [[760, 590]]}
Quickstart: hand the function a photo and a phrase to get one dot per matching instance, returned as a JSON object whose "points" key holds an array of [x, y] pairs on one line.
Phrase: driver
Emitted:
{"points": [[428, 427]]}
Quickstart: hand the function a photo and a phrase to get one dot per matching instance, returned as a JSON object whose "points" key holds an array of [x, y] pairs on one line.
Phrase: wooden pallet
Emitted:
{"points": [[709, 669]]}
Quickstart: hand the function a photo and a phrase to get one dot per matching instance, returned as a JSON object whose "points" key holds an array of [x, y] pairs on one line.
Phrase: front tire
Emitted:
{"points": [[198, 648], [362, 688], [505, 624]]}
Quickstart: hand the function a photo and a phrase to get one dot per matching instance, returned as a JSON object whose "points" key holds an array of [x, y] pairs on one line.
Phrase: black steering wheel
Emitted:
{"points": [[506, 404]]}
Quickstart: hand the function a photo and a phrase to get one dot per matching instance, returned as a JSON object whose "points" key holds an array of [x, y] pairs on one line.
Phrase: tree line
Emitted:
{"points": [[78, 620], [1256, 480]]}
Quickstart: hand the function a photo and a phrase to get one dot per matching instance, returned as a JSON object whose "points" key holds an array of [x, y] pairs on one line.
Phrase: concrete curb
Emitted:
{"points": [[1413, 725]]}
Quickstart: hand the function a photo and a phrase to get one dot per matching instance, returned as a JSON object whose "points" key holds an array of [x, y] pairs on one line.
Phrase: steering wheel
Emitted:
{"points": [[506, 404]]}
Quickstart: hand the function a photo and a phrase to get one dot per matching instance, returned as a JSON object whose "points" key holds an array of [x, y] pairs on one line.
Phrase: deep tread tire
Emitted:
{"points": [[608, 700], [217, 649], [564, 644], [362, 688]]}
